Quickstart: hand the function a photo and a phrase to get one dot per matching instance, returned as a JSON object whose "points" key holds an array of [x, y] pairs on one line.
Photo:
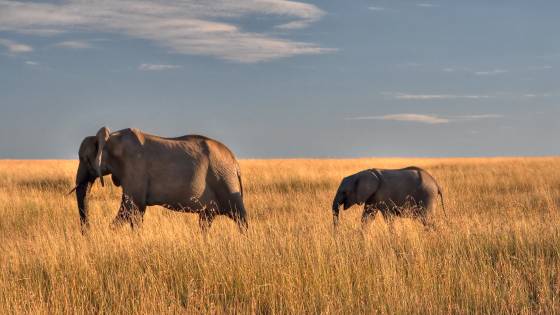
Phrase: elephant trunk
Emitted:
{"points": [[83, 185], [335, 208], [102, 137]]}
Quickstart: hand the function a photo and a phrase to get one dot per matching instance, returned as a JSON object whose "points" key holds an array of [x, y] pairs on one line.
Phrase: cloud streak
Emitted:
{"points": [[427, 119], [416, 97], [74, 44], [426, 5], [153, 67], [419, 118], [184, 27], [539, 68], [15, 47], [491, 72]]}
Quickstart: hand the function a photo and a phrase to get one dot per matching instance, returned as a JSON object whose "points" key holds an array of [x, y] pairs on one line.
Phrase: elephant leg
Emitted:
{"points": [[130, 211], [239, 213], [369, 213], [205, 219], [122, 215], [242, 223], [428, 221], [426, 213], [136, 218], [135, 206], [231, 204], [389, 220]]}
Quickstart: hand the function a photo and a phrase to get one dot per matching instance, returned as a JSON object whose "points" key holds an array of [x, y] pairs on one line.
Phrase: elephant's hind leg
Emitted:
{"points": [[205, 219], [389, 219], [426, 213], [428, 223], [369, 214], [427, 219], [236, 211], [241, 213]]}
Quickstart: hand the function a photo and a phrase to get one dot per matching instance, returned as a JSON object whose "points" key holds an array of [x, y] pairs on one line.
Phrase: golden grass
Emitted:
{"points": [[496, 251]]}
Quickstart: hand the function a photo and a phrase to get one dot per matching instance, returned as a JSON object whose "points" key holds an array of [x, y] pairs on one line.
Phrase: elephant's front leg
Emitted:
{"points": [[129, 211], [369, 213], [427, 221]]}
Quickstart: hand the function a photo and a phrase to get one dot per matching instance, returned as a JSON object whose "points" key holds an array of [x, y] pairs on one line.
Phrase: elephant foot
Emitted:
{"points": [[428, 224], [243, 228], [117, 224], [430, 227], [84, 228]]}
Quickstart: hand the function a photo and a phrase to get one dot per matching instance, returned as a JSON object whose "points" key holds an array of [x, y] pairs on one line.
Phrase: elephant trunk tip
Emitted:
{"points": [[336, 208], [335, 213], [335, 220], [84, 228]]}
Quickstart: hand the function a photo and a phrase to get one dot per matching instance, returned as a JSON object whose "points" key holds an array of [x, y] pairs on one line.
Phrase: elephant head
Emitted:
{"points": [[90, 168], [354, 189]]}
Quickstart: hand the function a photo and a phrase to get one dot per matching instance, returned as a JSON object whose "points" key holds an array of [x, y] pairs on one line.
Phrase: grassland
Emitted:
{"points": [[497, 249]]}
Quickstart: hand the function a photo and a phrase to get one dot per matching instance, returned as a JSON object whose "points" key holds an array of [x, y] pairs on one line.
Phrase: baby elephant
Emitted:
{"points": [[404, 191]]}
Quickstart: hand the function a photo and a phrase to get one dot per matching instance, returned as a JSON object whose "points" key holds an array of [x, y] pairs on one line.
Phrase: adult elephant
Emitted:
{"points": [[188, 174], [408, 191]]}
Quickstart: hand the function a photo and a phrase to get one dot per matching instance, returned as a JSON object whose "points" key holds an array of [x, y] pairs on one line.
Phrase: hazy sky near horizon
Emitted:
{"points": [[284, 78]]}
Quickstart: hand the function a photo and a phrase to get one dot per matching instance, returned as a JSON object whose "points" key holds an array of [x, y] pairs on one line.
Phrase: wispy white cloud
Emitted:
{"points": [[409, 65], [436, 97], [15, 47], [156, 67], [459, 69], [31, 63], [374, 8], [427, 119], [475, 72], [539, 68], [185, 27], [475, 117], [533, 95], [401, 96], [74, 44], [491, 72], [419, 118], [426, 5]]}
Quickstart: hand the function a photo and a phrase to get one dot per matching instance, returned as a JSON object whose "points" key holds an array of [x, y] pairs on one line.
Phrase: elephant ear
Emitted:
{"points": [[102, 137], [86, 153], [138, 135], [88, 148], [367, 184]]}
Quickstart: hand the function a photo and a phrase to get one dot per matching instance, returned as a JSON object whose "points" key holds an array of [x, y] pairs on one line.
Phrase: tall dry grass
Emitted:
{"points": [[496, 251]]}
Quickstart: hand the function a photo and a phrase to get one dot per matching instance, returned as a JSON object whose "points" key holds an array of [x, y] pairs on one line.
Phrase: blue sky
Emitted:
{"points": [[284, 78]]}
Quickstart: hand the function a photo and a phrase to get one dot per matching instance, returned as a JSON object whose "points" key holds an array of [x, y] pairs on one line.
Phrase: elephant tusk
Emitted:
{"points": [[101, 179]]}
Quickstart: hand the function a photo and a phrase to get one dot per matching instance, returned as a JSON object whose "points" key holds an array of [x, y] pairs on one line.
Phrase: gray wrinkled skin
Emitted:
{"points": [[409, 191], [189, 174]]}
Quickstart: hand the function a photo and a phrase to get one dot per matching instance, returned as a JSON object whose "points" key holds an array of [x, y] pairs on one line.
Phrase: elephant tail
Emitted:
{"points": [[440, 193], [439, 190], [240, 182]]}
